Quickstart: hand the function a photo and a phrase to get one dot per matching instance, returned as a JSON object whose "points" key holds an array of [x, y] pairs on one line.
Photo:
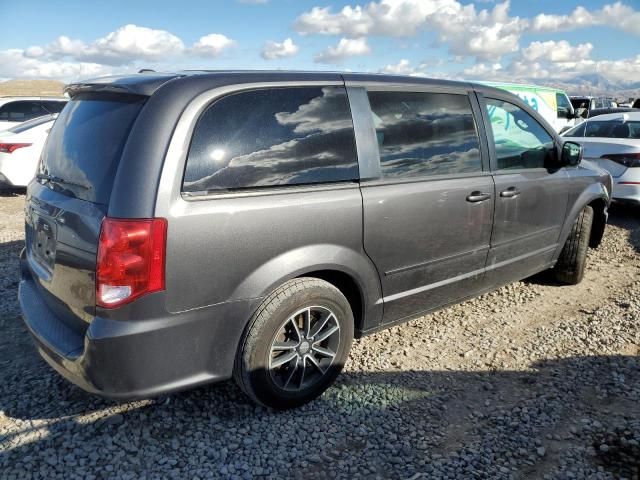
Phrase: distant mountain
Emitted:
{"points": [[595, 84]]}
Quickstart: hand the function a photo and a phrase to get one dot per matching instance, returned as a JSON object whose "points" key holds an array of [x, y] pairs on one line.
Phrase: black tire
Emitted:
{"points": [[573, 259], [252, 370]]}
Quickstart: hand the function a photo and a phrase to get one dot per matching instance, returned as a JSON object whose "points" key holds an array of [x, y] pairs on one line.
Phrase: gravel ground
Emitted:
{"points": [[532, 381]]}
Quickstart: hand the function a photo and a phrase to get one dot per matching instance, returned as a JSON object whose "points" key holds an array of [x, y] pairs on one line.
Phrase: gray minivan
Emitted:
{"points": [[192, 227]]}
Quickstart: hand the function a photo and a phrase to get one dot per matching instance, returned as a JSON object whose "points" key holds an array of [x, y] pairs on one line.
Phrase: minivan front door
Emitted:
{"points": [[531, 198], [429, 212]]}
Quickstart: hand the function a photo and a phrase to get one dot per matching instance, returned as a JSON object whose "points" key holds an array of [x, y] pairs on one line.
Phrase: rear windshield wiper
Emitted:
{"points": [[54, 179]]}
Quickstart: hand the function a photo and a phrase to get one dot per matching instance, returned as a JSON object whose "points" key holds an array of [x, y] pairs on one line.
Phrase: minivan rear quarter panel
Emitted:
{"points": [[281, 232]]}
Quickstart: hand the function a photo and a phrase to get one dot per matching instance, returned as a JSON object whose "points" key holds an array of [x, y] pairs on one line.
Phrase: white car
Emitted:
{"points": [[15, 110], [20, 149], [612, 142]]}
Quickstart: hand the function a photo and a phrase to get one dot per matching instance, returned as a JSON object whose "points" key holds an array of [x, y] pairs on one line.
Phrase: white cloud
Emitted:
{"points": [[624, 70], [562, 64], [483, 70], [563, 61], [580, 17], [35, 52], [212, 45], [346, 48], [118, 51], [386, 17], [403, 67], [484, 34], [467, 31], [132, 42], [616, 15], [276, 50], [15, 64], [552, 51], [125, 45]]}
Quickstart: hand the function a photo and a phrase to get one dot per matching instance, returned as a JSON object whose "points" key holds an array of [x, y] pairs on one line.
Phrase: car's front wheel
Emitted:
{"points": [[573, 259], [296, 344]]}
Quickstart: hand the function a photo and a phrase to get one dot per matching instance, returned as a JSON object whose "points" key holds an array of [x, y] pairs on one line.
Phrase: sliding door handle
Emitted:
{"points": [[477, 196], [510, 192]]}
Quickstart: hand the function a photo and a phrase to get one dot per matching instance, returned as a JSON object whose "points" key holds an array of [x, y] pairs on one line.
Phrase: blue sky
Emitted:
{"points": [[544, 41]]}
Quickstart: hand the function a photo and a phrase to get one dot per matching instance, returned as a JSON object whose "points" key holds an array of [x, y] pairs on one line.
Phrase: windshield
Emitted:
{"points": [[24, 126], [85, 145]]}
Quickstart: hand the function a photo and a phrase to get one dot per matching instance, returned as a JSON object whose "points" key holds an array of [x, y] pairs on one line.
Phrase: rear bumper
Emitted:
{"points": [[12, 172], [4, 182], [137, 358], [626, 187], [627, 192]]}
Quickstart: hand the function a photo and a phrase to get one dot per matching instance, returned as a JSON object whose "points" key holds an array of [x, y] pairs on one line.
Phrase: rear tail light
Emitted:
{"points": [[131, 258], [626, 159], [12, 147]]}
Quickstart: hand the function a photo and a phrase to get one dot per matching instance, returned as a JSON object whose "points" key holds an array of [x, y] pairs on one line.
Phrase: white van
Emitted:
{"points": [[551, 103]]}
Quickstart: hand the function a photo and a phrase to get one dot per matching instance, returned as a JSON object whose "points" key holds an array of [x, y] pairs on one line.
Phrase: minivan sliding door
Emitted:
{"points": [[428, 200]]}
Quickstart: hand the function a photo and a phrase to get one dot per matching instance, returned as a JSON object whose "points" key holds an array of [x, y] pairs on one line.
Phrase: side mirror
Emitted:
{"points": [[571, 154]]}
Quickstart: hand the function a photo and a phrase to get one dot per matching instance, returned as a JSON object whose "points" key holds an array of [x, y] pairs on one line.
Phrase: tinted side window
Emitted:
{"points": [[576, 131], [564, 107], [424, 133], [273, 137], [21, 111], [520, 141], [579, 103]]}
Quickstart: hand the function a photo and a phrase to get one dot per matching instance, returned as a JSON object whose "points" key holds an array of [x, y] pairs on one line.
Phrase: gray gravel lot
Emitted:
{"points": [[532, 381]]}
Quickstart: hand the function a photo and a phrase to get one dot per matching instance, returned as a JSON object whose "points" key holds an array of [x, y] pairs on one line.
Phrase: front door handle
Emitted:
{"points": [[477, 196], [510, 192]]}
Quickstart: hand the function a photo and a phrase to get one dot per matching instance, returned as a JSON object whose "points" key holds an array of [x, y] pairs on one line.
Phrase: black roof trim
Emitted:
{"points": [[148, 82], [144, 84]]}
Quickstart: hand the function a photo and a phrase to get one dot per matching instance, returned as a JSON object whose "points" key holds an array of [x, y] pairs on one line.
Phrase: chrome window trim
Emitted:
{"points": [[377, 182]]}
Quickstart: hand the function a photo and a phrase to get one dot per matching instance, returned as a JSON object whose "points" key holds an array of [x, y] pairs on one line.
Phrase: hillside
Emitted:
{"points": [[41, 88]]}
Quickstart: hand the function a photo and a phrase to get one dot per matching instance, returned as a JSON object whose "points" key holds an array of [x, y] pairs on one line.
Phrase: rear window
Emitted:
{"points": [[85, 144], [273, 137], [21, 111], [613, 129]]}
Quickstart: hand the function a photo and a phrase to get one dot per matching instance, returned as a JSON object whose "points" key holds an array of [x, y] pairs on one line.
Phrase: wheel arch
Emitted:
{"points": [[599, 206], [592, 196], [349, 287], [350, 271]]}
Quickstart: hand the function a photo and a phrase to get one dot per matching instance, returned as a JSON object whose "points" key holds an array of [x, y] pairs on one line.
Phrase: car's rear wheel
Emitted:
{"points": [[296, 344], [573, 259]]}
